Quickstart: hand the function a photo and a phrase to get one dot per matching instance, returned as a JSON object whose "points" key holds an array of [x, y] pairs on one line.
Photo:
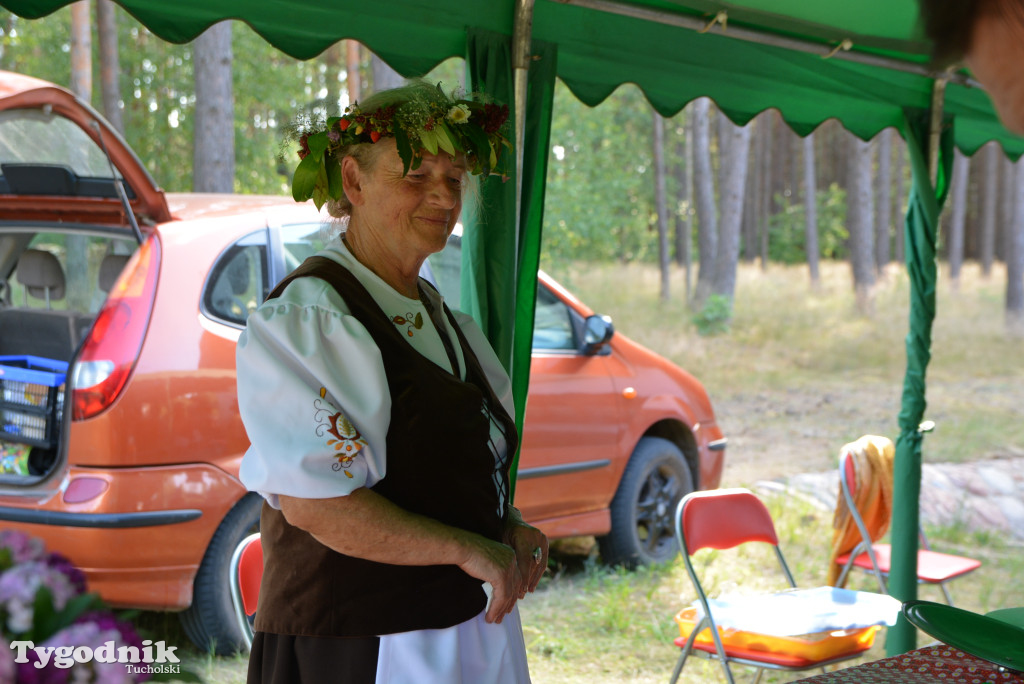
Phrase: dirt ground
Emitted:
{"points": [[776, 434]]}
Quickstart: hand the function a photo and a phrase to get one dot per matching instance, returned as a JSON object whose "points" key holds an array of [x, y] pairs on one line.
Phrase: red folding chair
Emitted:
{"points": [[932, 567], [246, 573], [724, 519]]}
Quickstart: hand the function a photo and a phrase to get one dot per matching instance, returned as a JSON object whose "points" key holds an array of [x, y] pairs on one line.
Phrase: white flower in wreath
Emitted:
{"points": [[459, 114]]}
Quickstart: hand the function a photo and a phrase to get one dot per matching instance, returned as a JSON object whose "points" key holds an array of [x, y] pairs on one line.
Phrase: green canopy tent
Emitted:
{"points": [[861, 61]]}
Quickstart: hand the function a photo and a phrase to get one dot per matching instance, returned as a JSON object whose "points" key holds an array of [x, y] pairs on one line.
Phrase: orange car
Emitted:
{"points": [[120, 439]]}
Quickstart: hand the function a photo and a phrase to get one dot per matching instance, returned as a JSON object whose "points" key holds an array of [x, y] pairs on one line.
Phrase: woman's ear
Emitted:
{"points": [[352, 180]]}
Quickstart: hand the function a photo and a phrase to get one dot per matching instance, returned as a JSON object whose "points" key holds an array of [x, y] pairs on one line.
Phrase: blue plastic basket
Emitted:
{"points": [[31, 399]]}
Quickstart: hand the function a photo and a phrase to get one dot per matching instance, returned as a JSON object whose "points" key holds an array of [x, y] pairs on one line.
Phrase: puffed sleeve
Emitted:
{"points": [[312, 395]]}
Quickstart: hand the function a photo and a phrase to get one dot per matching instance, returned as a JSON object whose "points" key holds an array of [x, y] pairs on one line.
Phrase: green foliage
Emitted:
{"points": [[787, 229], [715, 317], [600, 193]]}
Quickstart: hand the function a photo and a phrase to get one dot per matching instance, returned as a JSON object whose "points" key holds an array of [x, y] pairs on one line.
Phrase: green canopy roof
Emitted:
{"points": [[600, 46]]}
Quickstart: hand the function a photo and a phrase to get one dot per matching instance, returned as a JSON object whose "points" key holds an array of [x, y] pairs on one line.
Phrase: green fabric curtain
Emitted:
{"points": [[495, 261], [920, 232]]}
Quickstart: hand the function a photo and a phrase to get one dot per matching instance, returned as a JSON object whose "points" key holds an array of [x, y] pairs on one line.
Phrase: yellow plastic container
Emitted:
{"points": [[813, 647]]}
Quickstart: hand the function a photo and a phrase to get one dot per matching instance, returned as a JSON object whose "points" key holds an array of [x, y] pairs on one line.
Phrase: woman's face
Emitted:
{"points": [[413, 214]]}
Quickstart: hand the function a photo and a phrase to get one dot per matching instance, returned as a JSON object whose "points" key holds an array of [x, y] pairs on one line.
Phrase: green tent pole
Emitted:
{"points": [[499, 265], [921, 228]]}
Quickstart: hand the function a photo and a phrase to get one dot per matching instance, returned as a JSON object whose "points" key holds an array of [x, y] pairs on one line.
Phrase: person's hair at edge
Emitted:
{"points": [[949, 24], [410, 113]]}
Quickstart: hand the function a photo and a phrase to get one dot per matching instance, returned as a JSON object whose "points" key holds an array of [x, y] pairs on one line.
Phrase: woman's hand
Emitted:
{"points": [[494, 563], [526, 540]]}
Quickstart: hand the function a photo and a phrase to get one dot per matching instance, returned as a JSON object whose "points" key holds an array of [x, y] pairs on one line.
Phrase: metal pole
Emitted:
{"points": [[935, 129], [521, 37]]}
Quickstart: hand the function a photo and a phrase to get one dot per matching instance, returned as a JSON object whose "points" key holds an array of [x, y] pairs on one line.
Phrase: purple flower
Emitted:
{"points": [[18, 587], [64, 565], [23, 547], [6, 661]]}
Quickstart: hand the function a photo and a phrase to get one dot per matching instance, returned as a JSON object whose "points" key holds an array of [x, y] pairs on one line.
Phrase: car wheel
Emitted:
{"points": [[211, 622], [643, 509]]}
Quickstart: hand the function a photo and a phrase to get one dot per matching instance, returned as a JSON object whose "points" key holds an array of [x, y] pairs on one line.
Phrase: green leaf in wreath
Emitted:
{"points": [[429, 141], [334, 184], [305, 177], [404, 148], [317, 143], [443, 141]]}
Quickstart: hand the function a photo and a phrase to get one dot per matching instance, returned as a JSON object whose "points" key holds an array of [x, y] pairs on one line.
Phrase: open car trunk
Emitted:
{"points": [[74, 205]]}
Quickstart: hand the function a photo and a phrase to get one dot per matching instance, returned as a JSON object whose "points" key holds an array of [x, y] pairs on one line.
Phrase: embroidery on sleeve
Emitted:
{"points": [[341, 434], [410, 320]]}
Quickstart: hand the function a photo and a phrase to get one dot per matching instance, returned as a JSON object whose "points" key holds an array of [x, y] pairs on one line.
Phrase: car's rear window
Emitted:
{"points": [[32, 136]]}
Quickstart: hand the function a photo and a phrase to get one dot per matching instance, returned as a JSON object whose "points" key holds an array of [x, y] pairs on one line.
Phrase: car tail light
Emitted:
{"points": [[112, 348]]}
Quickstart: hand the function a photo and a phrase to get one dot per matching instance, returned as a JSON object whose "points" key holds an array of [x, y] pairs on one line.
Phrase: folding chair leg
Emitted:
{"points": [[728, 672], [757, 679], [949, 599], [679, 668]]}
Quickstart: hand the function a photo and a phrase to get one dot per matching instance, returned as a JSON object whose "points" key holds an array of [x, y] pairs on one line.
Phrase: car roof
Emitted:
{"points": [[187, 206]]}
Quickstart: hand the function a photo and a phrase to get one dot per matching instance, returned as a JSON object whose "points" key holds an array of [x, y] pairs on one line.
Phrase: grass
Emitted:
{"points": [[798, 375]]}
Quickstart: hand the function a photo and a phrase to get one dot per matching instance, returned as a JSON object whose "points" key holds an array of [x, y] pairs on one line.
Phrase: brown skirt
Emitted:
{"points": [[287, 659]]}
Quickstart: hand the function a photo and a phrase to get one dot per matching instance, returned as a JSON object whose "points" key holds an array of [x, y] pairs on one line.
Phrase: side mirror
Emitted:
{"points": [[597, 332]]}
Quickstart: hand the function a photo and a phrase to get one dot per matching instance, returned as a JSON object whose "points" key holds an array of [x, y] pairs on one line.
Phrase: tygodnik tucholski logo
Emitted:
{"points": [[152, 658]]}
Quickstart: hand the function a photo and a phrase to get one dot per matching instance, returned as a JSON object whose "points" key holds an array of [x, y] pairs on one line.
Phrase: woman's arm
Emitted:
{"points": [[366, 525]]}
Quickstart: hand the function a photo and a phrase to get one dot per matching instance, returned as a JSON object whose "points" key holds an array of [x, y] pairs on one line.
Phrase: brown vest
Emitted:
{"points": [[438, 465]]}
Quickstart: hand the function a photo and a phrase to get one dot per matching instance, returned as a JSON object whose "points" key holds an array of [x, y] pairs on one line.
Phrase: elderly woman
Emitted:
{"points": [[381, 422]]}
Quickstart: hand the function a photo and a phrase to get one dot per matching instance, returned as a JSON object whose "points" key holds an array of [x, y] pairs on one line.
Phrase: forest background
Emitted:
{"points": [[624, 184]]}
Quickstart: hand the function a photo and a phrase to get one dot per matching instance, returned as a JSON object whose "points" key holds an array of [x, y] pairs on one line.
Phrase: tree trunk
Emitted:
{"points": [[1007, 198], [859, 214], [707, 215], [384, 77], [900, 205], [664, 260], [110, 63], [958, 201], [353, 81], [748, 229], [690, 211], [214, 143], [883, 199], [766, 172], [731, 192], [78, 289], [811, 212], [682, 217], [1015, 254], [989, 196]]}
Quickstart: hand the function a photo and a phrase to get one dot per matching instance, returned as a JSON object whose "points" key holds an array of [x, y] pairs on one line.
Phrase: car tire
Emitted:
{"points": [[211, 622], [643, 509]]}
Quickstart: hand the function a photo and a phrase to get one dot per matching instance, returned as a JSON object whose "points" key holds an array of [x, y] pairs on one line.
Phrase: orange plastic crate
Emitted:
{"points": [[810, 647]]}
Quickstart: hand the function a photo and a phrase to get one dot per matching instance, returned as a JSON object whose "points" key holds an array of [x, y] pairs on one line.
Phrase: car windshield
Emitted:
{"points": [[33, 136]]}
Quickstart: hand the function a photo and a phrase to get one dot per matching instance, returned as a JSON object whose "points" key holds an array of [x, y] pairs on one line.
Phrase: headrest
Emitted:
{"points": [[40, 271], [110, 269]]}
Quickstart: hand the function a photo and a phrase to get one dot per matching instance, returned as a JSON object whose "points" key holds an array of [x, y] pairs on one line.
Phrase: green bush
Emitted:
{"points": [[714, 317], [787, 232]]}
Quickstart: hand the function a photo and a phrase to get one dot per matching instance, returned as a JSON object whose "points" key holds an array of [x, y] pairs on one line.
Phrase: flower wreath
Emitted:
{"points": [[430, 120]]}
